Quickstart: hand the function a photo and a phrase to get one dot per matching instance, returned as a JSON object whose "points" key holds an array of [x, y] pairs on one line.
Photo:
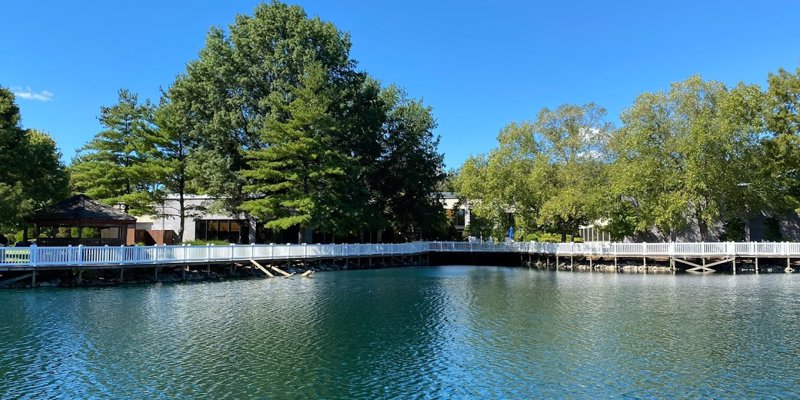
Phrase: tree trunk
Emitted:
{"points": [[703, 227], [182, 207]]}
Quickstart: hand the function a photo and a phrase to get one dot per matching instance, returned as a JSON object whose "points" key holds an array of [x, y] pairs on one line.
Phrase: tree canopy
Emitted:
{"points": [[699, 156], [285, 129], [32, 175], [549, 173], [117, 166]]}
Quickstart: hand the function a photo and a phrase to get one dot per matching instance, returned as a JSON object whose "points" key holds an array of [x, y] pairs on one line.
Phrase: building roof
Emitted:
{"points": [[81, 210]]}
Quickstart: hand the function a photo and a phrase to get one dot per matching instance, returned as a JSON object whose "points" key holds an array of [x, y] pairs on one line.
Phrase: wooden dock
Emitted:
{"points": [[700, 257]]}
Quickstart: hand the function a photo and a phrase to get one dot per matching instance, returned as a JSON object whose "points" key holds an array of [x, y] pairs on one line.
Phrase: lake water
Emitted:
{"points": [[445, 332]]}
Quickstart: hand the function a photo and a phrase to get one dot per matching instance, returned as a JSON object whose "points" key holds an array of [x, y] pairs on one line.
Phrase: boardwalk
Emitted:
{"points": [[13, 258]]}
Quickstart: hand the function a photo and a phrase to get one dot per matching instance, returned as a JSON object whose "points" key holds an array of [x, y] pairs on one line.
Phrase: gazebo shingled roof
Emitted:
{"points": [[81, 210]]}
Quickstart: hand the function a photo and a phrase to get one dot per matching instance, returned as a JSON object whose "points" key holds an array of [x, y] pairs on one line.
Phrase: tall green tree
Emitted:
{"points": [[240, 100], [297, 178], [171, 163], [687, 155], [548, 173], [781, 149], [497, 183], [570, 170], [410, 169], [117, 166], [226, 95], [32, 175]]}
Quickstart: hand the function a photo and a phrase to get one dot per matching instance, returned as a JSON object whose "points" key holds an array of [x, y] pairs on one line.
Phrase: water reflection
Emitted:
{"points": [[448, 332]]}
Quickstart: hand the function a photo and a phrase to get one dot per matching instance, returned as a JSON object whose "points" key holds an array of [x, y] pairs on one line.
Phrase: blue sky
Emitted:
{"points": [[479, 64]]}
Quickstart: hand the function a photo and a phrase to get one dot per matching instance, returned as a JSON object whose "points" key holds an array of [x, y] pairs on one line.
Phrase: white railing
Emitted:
{"points": [[157, 255]]}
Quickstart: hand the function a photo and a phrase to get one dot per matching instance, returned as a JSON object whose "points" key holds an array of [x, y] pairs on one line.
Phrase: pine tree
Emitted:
{"points": [[117, 167], [297, 177]]}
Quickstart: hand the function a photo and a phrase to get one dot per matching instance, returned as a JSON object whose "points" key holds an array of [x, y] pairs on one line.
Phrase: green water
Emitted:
{"points": [[446, 332]]}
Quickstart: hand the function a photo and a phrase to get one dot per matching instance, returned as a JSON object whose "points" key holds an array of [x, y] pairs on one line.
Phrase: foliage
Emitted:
{"points": [[287, 130], [228, 96], [172, 162], [31, 175], [118, 166], [687, 155], [409, 170], [548, 173], [206, 243], [296, 178], [733, 230], [781, 150]]}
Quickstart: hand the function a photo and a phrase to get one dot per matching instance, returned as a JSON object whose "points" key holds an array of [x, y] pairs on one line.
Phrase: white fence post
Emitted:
{"points": [[33, 255]]}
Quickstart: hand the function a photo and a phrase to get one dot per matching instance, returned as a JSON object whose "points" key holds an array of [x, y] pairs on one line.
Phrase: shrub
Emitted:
{"points": [[207, 242]]}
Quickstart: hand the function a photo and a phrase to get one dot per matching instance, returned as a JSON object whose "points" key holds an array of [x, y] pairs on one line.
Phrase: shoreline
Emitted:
{"points": [[74, 278]]}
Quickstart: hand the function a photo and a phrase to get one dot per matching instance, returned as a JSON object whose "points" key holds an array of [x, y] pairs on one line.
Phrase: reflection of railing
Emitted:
{"points": [[156, 255]]}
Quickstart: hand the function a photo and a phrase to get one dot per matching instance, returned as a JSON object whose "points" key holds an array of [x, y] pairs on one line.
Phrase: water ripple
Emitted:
{"points": [[428, 333]]}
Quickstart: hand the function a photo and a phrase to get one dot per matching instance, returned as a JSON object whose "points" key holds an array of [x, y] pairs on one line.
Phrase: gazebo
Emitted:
{"points": [[110, 226]]}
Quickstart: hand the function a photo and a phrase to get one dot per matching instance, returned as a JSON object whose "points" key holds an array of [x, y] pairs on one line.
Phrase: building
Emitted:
{"points": [[456, 210], [200, 223]]}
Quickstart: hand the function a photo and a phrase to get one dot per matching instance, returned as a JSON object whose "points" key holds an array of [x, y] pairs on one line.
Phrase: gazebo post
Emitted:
{"points": [[80, 232]]}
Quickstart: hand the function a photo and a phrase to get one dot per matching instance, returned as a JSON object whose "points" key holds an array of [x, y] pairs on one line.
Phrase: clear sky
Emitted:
{"points": [[479, 64]]}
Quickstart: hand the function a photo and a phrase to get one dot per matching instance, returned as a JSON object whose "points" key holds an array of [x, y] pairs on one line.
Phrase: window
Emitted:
{"points": [[461, 217], [231, 231]]}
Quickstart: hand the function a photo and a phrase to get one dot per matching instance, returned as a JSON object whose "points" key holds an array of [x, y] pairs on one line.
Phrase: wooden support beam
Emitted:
{"points": [[308, 273], [704, 268], [262, 269], [11, 281], [280, 271]]}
